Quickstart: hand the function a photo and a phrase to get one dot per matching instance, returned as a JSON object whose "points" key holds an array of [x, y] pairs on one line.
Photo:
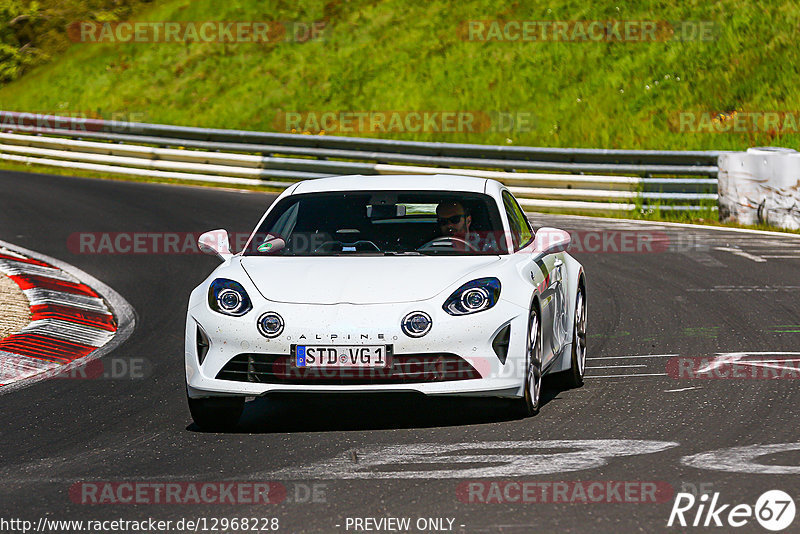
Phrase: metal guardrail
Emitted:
{"points": [[541, 177]]}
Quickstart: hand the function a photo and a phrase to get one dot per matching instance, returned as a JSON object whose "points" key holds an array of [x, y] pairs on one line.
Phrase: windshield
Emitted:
{"points": [[381, 223]]}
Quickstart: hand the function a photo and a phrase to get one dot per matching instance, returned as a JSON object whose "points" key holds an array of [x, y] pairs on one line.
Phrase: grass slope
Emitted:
{"points": [[411, 55]]}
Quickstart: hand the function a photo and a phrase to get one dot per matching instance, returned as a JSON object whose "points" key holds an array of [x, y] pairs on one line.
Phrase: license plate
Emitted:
{"points": [[372, 356]]}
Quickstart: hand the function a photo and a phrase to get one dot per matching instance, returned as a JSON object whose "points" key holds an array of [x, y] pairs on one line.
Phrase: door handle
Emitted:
{"points": [[557, 268]]}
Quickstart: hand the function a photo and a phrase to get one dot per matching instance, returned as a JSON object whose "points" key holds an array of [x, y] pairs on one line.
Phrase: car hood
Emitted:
{"points": [[359, 280]]}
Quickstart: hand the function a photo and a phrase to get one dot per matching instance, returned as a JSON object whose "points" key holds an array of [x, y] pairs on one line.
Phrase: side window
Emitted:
{"points": [[285, 223], [521, 233]]}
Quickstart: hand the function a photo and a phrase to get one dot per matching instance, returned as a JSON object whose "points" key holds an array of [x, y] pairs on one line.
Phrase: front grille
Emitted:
{"points": [[404, 369]]}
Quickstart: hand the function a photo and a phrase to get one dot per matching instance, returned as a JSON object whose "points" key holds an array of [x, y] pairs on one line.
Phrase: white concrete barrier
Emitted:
{"points": [[761, 185]]}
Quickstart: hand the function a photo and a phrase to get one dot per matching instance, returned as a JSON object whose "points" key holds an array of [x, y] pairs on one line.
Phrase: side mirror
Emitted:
{"points": [[215, 242], [549, 241], [272, 245]]}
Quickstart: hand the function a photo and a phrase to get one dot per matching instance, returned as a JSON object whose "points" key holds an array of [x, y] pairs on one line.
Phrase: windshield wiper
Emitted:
{"points": [[433, 252], [402, 253]]}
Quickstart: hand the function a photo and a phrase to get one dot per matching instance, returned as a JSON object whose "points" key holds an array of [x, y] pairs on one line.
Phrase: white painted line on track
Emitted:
{"points": [[767, 365], [760, 289], [723, 358], [625, 376], [759, 353], [626, 357], [771, 246], [675, 225], [616, 366], [742, 253], [775, 248], [744, 459], [468, 460], [681, 389], [765, 353]]}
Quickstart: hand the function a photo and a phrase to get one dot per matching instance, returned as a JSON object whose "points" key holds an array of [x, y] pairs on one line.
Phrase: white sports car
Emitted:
{"points": [[428, 284]]}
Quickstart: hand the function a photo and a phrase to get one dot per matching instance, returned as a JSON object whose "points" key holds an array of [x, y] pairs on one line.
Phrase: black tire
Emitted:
{"points": [[216, 413], [530, 402], [574, 377]]}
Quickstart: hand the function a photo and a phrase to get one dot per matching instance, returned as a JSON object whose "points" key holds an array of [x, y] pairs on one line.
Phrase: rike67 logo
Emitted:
{"points": [[774, 510]]}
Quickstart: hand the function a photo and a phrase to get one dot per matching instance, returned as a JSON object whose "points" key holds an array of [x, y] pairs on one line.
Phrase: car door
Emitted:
{"points": [[521, 236], [559, 303]]}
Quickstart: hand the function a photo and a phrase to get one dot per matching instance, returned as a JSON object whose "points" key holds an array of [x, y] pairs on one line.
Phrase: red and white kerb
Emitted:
{"points": [[69, 319]]}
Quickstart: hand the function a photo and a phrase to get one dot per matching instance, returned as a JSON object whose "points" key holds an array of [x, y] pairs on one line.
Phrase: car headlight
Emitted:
{"points": [[474, 296], [228, 297]]}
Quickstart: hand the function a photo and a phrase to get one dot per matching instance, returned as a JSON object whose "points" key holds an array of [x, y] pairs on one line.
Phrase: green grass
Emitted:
{"points": [[400, 55]]}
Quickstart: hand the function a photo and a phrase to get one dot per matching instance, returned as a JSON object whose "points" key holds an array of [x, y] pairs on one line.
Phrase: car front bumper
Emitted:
{"points": [[468, 337]]}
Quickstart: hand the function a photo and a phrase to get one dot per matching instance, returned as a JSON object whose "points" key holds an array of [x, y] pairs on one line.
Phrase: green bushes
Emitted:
{"points": [[31, 33]]}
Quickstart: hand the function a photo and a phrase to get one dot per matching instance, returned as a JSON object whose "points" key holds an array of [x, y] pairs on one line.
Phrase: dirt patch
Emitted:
{"points": [[15, 310]]}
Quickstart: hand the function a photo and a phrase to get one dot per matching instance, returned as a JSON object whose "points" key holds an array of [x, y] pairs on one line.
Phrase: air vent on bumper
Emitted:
{"points": [[500, 343], [404, 369], [202, 344]]}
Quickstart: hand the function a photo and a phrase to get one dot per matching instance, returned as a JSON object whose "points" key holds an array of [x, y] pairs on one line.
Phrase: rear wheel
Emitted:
{"points": [[574, 377], [216, 413], [529, 403]]}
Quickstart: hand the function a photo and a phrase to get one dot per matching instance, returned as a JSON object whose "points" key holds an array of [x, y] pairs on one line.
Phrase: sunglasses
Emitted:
{"points": [[450, 220]]}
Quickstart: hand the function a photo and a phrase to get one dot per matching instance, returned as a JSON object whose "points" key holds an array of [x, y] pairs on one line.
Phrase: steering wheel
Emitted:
{"points": [[440, 242], [365, 242]]}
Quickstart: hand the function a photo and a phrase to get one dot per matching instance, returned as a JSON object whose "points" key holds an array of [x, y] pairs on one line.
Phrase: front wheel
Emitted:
{"points": [[529, 403], [216, 413]]}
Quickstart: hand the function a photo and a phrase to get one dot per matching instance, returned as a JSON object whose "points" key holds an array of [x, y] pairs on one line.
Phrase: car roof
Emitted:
{"points": [[398, 182]]}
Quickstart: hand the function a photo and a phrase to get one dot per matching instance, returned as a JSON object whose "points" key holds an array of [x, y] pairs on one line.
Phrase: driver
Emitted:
{"points": [[453, 219]]}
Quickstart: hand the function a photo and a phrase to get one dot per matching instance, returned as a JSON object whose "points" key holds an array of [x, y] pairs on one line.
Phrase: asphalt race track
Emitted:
{"points": [[700, 293]]}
